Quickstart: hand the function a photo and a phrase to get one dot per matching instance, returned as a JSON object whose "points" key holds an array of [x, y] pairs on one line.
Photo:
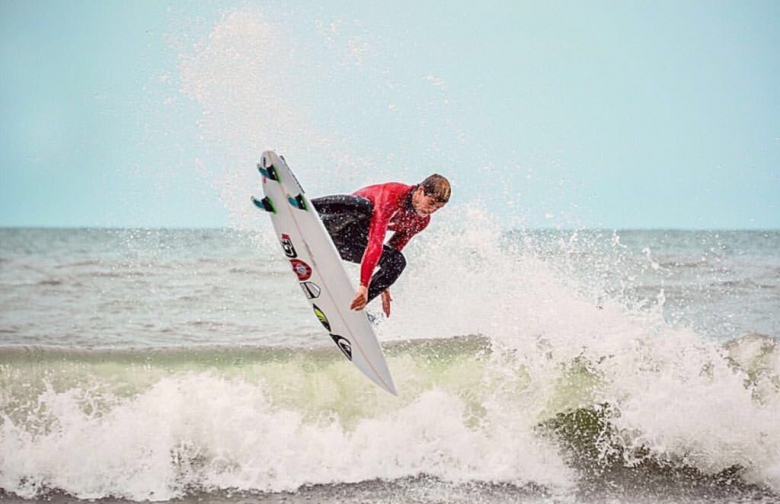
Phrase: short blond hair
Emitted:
{"points": [[437, 186]]}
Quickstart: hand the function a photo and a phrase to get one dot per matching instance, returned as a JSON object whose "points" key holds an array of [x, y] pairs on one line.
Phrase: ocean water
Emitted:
{"points": [[532, 366]]}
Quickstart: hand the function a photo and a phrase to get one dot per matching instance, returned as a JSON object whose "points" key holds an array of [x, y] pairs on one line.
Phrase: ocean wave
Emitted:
{"points": [[672, 488], [171, 422], [609, 462]]}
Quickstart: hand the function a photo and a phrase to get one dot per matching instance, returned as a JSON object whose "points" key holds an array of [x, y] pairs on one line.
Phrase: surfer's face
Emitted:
{"points": [[425, 204]]}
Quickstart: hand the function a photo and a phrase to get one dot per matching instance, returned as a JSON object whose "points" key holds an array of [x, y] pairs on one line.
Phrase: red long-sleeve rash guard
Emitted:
{"points": [[392, 211]]}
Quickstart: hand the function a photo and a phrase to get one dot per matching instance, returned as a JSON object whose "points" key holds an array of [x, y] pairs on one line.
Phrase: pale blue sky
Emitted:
{"points": [[611, 114]]}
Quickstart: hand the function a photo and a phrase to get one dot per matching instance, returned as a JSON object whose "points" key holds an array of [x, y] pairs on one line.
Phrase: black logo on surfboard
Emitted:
{"points": [[344, 345], [287, 246], [310, 289]]}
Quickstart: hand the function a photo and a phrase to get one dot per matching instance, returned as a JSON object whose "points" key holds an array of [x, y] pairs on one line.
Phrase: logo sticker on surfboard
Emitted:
{"points": [[321, 317], [344, 345], [310, 289], [287, 246], [301, 269]]}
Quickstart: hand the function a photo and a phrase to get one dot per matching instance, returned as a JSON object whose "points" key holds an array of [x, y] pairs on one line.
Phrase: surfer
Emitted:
{"points": [[358, 223]]}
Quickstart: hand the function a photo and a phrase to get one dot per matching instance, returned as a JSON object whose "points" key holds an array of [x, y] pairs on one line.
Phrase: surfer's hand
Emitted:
{"points": [[386, 301], [361, 299]]}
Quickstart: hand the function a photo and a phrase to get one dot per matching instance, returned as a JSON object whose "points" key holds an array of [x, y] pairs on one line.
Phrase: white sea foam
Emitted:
{"points": [[203, 431]]}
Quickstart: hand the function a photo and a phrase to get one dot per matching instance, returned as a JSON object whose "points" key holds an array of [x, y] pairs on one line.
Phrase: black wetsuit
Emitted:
{"points": [[347, 218]]}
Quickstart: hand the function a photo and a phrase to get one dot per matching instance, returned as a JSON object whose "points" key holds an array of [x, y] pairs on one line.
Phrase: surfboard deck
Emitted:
{"points": [[319, 270]]}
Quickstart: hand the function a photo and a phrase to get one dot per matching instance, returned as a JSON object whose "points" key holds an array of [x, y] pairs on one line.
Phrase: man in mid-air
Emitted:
{"points": [[358, 223]]}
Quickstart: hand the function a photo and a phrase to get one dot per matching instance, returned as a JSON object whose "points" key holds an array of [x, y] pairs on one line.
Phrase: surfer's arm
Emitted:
{"points": [[383, 210], [376, 238], [399, 240], [401, 237]]}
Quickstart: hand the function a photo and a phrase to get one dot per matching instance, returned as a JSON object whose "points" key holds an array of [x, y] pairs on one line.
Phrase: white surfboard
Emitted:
{"points": [[318, 268]]}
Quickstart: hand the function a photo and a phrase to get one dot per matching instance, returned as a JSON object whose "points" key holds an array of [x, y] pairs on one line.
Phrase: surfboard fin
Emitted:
{"points": [[269, 172], [298, 202], [264, 204]]}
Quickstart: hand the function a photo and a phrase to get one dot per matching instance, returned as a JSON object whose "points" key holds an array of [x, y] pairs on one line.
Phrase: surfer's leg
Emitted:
{"points": [[343, 204], [351, 243], [391, 265], [346, 217]]}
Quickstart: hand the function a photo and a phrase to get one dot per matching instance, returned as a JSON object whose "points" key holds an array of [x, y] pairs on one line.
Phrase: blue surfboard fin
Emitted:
{"points": [[264, 204], [298, 202], [269, 173]]}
